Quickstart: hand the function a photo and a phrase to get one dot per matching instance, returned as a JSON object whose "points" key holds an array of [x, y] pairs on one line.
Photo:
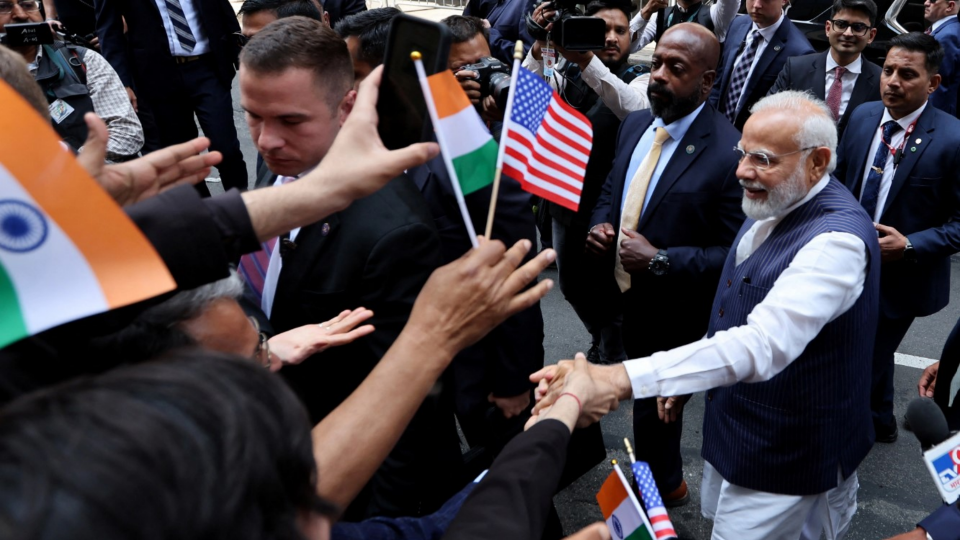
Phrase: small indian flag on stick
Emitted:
{"points": [[67, 250], [621, 510]]}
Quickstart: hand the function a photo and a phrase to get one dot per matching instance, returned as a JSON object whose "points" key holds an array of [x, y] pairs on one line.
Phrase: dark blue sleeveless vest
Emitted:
{"points": [[789, 435]]}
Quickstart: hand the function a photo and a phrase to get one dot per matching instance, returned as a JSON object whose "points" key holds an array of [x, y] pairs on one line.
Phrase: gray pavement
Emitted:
{"points": [[895, 488]]}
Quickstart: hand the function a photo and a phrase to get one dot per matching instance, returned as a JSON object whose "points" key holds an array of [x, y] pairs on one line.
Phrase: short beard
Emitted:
{"points": [[674, 107], [778, 199]]}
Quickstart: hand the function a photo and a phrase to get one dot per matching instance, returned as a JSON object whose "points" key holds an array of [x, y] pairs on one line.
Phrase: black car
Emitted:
{"points": [[893, 17]]}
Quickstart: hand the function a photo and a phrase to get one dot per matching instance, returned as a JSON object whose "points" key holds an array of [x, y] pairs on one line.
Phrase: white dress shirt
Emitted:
{"points": [[822, 282], [849, 79], [276, 262], [196, 28], [767, 34], [722, 14], [889, 170], [621, 98]]}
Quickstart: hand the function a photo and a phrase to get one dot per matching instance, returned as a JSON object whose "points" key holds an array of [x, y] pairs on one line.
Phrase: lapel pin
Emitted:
{"points": [[918, 141], [913, 148], [325, 229], [690, 149], [777, 48]]}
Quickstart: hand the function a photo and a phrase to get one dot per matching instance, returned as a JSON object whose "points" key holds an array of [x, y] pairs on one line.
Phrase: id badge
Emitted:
{"points": [[549, 61], [59, 110]]}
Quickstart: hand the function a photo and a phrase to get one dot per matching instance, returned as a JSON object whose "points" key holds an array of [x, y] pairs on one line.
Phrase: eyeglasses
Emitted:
{"points": [[762, 160], [262, 352], [241, 39], [28, 7], [858, 28]]}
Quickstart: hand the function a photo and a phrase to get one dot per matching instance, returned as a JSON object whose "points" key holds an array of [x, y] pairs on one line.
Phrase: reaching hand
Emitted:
{"points": [[464, 300], [511, 406], [358, 158], [295, 346], [142, 178], [928, 380], [669, 409], [592, 385]]}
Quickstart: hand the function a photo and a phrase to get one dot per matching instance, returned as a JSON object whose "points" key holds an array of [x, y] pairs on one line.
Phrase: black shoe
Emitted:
{"points": [[885, 433], [593, 355]]}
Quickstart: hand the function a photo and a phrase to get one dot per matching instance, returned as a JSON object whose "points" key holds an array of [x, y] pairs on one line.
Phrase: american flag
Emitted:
{"points": [[547, 144], [656, 512]]}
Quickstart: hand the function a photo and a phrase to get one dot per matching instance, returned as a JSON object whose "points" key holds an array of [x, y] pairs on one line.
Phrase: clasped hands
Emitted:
{"points": [[636, 251]]}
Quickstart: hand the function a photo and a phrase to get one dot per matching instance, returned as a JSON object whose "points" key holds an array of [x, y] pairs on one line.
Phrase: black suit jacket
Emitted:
{"points": [[694, 213], [923, 204], [142, 55], [376, 254], [338, 9], [788, 41], [809, 72]]}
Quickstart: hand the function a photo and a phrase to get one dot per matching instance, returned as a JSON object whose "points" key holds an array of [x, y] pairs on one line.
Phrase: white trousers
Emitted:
{"points": [[739, 513]]}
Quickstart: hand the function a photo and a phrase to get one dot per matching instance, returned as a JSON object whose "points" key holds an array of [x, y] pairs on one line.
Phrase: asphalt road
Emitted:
{"points": [[895, 489]]}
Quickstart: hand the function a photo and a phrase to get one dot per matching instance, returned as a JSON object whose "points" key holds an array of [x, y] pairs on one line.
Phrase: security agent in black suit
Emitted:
{"points": [[296, 84], [178, 57], [850, 29], [673, 254]]}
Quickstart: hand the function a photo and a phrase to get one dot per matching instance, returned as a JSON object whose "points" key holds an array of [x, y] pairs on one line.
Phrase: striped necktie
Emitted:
{"points": [[253, 266], [738, 79], [180, 26], [871, 189]]}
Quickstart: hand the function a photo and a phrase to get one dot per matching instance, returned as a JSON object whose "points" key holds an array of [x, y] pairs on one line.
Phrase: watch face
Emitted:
{"points": [[658, 266]]}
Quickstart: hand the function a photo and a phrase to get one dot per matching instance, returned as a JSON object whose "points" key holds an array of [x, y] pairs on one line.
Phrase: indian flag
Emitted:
{"points": [[67, 250], [621, 510], [460, 130]]}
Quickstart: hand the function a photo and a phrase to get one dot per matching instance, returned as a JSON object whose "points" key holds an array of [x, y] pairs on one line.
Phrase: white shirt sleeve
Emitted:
{"points": [[112, 105], [723, 13], [618, 96], [642, 32], [822, 282]]}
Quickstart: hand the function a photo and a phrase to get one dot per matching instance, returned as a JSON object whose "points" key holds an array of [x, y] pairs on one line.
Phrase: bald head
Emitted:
{"points": [[702, 44]]}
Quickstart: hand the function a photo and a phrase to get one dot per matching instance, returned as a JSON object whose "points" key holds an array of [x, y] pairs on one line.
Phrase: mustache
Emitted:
{"points": [[751, 185], [659, 89]]}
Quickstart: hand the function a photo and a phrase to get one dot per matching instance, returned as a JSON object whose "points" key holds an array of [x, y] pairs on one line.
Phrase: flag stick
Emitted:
{"points": [[633, 458], [517, 57], [432, 108]]}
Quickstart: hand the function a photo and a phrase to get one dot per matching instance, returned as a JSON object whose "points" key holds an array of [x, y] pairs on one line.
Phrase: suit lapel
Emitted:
{"points": [[695, 138], [923, 131], [311, 242], [861, 90], [950, 21], [772, 50], [818, 75], [870, 126], [734, 39]]}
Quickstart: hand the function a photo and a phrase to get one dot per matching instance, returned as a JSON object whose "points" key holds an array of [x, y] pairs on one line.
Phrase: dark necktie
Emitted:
{"points": [[871, 189], [180, 26], [836, 92], [739, 77]]}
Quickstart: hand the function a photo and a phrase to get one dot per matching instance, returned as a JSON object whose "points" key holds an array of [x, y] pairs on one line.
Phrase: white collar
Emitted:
{"points": [[906, 120], [941, 22], [852, 67]]}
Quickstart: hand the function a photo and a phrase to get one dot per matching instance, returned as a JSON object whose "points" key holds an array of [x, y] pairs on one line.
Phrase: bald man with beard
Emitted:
{"points": [[668, 212]]}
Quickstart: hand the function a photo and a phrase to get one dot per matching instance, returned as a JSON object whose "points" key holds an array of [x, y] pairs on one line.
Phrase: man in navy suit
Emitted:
{"points": [[900, 158], [850, 29], [507, 24], [945, 28], [664, 222], [766, 38], [177, 59]]}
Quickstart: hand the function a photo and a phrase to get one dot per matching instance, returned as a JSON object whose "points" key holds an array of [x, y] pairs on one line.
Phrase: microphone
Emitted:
{"points": [[927, 421]]}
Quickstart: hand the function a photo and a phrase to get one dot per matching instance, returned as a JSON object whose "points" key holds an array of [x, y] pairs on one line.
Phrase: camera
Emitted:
{"points": [[494, 78], [26, 34], [571, 29]]}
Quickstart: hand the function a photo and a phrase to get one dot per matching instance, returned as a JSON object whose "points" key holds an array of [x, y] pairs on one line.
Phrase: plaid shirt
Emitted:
{"points": [[111, 103]]}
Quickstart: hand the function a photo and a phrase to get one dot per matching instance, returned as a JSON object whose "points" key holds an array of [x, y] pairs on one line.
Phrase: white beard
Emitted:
{"points": [[778, 199]]}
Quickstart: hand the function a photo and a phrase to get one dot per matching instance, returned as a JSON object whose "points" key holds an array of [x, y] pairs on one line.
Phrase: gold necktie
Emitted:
{"points": [[636, 194]]}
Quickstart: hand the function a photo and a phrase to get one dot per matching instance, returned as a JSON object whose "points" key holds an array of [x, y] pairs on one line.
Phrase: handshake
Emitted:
{"points": [[579, 393]]}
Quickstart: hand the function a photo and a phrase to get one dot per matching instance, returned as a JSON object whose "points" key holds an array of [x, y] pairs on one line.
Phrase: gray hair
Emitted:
{"points": [[186, 305], [818, 129]]}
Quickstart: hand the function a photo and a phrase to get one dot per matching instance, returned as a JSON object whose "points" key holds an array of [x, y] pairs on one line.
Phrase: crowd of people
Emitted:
{"points": [[759, 222]]}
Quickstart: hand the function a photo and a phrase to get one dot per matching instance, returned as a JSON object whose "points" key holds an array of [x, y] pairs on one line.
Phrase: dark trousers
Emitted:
{"points": [[945, 391], [587, 283], [890, 333], [198, 90]]}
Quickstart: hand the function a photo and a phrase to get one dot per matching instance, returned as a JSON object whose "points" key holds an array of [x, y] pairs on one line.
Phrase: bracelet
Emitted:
{"points": [[579, 405]]}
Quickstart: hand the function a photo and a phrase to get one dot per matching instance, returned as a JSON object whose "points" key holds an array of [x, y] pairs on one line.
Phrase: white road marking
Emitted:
{"points": [[909, 360]]}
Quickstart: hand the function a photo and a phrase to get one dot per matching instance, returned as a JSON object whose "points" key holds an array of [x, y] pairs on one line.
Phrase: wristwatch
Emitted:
{"points": [[909, 254], [660, 263]]}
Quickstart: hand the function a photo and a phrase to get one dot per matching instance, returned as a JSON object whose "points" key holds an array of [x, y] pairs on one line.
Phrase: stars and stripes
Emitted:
{"points": [[547, 143], [656, 511]]}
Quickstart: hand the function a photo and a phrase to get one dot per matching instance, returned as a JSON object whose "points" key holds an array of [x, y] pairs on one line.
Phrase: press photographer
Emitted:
{"points": [[484, 78], [75, 81], [605, 88]]}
